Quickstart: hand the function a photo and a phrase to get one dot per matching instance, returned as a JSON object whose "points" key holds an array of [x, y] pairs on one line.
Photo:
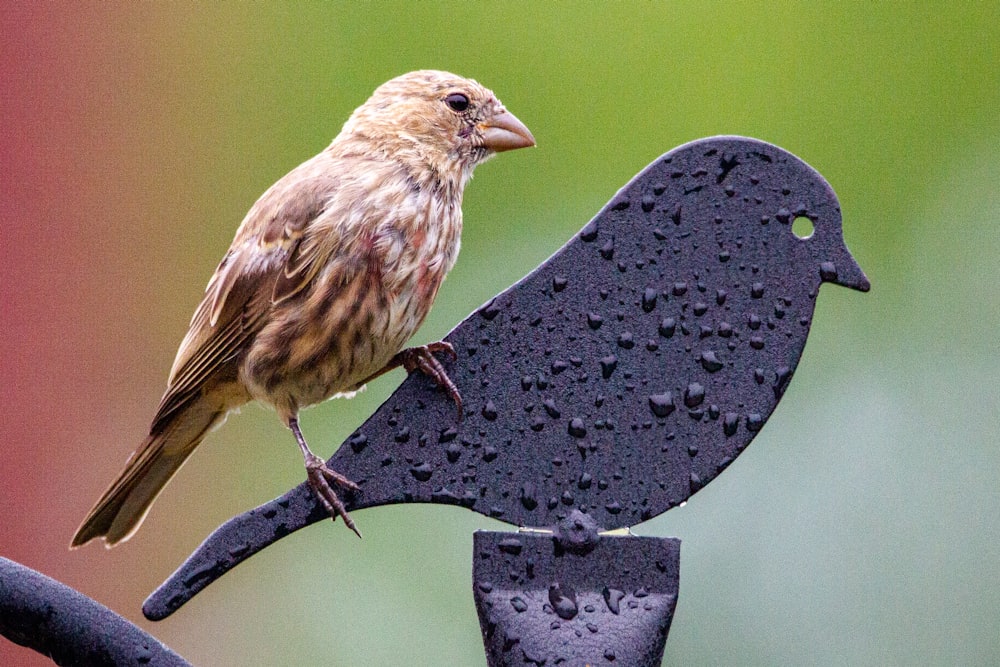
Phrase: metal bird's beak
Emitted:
{"points": [[504, 132], [845, 272]]}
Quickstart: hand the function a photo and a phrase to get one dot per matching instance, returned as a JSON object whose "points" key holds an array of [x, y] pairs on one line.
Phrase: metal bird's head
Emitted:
{"points": [[435, 119]]}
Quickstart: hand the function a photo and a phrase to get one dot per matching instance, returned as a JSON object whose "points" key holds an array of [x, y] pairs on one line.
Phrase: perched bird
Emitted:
{"points": [[330, 273]]}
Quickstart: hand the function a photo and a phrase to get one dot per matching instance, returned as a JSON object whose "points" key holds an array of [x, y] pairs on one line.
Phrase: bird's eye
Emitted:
{"points": [[457, 102]]}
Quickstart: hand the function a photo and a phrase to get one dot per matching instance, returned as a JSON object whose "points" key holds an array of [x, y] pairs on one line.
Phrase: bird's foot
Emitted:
{"points": [[320, 476], [421, 358]]}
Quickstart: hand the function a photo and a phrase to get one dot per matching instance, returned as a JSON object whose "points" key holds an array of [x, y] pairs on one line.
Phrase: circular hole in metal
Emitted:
{"points": [[802, 227]]}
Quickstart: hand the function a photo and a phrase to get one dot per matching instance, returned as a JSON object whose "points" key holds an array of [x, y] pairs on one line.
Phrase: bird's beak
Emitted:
{"points": [[504, 132], [846, 272]]}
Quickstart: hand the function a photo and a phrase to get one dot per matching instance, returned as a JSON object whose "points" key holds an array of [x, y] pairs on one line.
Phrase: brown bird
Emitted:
{"points": [[330, 273]]}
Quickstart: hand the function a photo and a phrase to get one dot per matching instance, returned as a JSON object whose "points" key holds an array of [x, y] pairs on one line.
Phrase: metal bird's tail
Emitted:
{"points": [[122, 508]]}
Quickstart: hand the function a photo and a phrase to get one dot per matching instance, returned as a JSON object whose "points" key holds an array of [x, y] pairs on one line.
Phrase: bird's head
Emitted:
{"points": [[436, 120]]}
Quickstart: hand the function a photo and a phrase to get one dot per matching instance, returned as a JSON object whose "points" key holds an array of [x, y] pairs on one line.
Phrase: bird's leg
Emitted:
{"points": [[421, 358], [320, 476]]}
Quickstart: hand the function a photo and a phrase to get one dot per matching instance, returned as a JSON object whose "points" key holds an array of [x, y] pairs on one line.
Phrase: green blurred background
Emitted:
{"points": [[862, 526]]}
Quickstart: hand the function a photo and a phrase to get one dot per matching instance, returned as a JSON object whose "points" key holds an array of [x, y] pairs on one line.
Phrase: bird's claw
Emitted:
{"points": [[320, 476], [421, 358]]}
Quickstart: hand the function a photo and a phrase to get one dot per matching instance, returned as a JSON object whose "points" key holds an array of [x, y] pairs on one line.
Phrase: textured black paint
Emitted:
{"points": [[618, 378], [540, 603], [67, 626]]}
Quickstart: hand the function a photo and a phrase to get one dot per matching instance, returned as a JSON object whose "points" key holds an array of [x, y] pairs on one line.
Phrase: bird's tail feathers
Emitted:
{"points": [[123, 507]]}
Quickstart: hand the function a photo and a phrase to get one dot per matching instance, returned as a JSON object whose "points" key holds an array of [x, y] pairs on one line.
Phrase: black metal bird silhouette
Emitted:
{"points": [[618, 378]]}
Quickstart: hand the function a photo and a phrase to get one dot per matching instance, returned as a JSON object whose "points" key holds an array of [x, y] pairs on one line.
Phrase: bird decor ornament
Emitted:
{"points": [[613, 381], [330, 273]]}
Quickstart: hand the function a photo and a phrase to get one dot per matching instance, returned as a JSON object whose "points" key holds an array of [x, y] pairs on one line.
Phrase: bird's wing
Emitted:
{"points": [[263, 265]]}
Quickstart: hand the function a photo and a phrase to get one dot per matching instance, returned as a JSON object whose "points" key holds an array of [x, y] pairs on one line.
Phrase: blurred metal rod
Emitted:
{"points": [[69, 627]]}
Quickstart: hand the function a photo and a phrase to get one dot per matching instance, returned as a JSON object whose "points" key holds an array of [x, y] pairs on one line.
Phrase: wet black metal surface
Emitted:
{"points": [[541, 603], [67, 626], [618, 378]]}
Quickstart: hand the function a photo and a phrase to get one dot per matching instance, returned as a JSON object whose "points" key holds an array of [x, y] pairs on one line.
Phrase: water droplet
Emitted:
{"points": [[608, 365], [528, 499], [675, 214], [559, 283], [754, 422], [526, 382], [558, 367], [694, 395], [695, 482], [486, 587], [566, 498], [692, 450], [700, 308], [758, 375], [704, 331], [584, 482], [537, 423], [589, 232], [620, 205], [729, 423], [724, 330], [510, 545], [453, 452], [489, 310], [649, 299], [358, 442], [662, 404], [753, 322], [550, 408], [781, 378], [489, 411], [609, 654], [783, 215], [403, 434], [757, 290], [490, 453], [422, 472], [625, 340], [828, 271], [613, 598], [563, 601], [648, 203], [576, 428], [608, 249], [724, 256], [757, 342], [680, 288], [710, 362], [667, 327], [613, 507], [594, 321], [541, 381], [518, 604], [659, 234]]}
